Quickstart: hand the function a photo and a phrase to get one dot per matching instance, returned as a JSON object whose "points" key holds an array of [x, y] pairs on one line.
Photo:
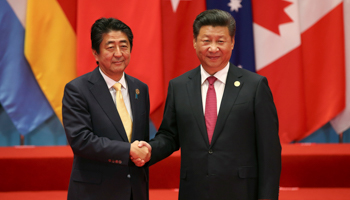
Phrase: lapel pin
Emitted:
{"points": [[137, 92], [237, 83]]}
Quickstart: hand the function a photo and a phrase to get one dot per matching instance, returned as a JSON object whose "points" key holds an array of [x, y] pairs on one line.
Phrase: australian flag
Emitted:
{"points": [[241, 10]]}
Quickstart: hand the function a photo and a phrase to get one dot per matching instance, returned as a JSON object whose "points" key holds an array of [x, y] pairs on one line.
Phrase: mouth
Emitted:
{"points": [[118, 62], [213, 57]]}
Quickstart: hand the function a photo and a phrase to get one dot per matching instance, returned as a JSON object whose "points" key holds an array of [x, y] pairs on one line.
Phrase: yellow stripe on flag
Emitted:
{"points": [[50, 48]]}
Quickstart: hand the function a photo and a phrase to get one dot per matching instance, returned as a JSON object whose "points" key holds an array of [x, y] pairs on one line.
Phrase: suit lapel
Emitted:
{"points": [[133, 101], [99, 90], [229, 97], [195, 97]]}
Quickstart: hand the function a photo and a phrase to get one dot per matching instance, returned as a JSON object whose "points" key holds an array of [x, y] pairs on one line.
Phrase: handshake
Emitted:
{"points": [[140, 152]]}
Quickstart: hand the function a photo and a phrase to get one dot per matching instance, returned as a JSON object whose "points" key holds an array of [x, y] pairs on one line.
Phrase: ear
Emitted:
{"points": [[233, 42], [94, 52], [194, 43]]}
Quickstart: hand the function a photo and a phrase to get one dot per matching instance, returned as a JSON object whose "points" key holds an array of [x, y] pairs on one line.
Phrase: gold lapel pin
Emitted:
{"points": [[137, 92], [237, 83]]}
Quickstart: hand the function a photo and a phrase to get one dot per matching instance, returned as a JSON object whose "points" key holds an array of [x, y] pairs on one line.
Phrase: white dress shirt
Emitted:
{"points": [[219, 85], [124, 89]]}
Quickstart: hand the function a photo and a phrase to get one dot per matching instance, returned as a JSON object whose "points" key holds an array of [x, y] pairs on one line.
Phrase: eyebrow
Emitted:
{"points": [[113, 42], [110, 42], [220, 36], [123, 41]]}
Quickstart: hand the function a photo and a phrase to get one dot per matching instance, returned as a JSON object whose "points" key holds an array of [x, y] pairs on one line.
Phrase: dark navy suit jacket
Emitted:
{"points": [[101, 167]]}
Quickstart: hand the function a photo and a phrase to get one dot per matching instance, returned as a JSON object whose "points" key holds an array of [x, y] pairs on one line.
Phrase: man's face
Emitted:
{"points": [[114, 54], [213, 47]]}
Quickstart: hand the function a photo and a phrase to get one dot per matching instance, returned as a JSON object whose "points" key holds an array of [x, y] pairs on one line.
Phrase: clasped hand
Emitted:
{"points": [[140, 152]]}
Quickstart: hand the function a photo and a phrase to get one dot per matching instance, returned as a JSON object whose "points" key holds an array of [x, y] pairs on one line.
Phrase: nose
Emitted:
{"points": [[117, 52], [213, 48]]}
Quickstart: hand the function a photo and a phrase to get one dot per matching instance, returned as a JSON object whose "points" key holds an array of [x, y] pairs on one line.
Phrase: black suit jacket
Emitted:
{"points": [[101, 167], [243, 160]]}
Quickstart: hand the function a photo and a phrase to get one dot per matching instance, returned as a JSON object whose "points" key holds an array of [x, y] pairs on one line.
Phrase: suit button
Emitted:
{"points": [[210, 151], [128, 176]]}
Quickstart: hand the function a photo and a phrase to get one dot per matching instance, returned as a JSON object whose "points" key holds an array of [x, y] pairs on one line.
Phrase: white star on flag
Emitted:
{"points": [[235, 5]]}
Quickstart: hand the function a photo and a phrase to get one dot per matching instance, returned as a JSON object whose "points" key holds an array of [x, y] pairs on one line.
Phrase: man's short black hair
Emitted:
{"points": [[214, 17], [106, 25]]}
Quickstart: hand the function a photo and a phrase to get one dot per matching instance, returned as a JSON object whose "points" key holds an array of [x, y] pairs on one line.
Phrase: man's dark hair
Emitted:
{"points": [[106, 25], [214, 17]]}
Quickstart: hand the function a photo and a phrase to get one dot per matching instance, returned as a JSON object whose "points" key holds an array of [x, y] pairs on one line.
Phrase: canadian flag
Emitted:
{"points": [[299, 47]]}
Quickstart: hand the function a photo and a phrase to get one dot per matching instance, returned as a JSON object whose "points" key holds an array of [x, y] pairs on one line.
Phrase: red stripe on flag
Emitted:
{"points": [[69, 8], [324, 69], [178, 52], [144, 19], [285, 78]]}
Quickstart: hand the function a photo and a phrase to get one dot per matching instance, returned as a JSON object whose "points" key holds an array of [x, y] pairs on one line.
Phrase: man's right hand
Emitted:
{"points": [[140, 153]]}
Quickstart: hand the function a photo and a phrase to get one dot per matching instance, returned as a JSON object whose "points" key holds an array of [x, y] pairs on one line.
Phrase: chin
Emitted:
{"points": [[118, 68]]}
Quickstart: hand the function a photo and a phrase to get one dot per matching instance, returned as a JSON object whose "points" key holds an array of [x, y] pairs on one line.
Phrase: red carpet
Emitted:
{"points": [[316, 194], [155, 194], [308, 172], [37, 195], [315, 165], [171, 194]]}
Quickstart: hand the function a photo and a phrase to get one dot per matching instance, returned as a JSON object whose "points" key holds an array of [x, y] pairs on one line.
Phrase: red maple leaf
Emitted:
{"points": [[270, 14]]}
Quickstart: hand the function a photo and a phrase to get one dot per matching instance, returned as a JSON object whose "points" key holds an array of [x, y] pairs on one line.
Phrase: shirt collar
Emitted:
{"points": [[220, 75], [110, 82]]}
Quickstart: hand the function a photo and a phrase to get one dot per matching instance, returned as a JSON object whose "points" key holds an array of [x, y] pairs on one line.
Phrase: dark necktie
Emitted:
{"points": [[210, 108]]}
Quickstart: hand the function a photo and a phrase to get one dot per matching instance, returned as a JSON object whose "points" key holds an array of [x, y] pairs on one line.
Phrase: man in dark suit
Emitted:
{"points": [[103, 135], [224, 120]]}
